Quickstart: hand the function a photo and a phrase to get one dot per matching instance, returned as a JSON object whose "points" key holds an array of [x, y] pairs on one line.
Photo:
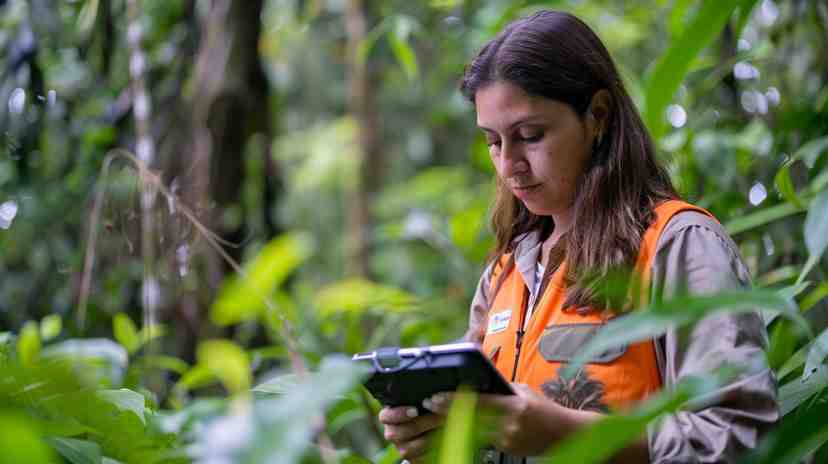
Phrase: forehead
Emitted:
{"points": [[502, 104]]}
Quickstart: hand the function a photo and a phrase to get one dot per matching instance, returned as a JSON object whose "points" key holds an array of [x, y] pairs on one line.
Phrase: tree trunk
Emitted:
{"points": [[362, 106]]}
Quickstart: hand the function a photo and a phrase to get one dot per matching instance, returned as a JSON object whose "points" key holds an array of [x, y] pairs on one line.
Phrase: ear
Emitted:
{"points": [[600, 109]]}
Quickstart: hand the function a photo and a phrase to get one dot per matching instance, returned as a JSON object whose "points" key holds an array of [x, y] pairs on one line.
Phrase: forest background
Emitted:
{"points": [[202, 196]]}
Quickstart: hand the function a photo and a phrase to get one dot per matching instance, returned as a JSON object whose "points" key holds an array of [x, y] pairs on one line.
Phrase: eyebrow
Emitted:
{"points": [[520, 121]]}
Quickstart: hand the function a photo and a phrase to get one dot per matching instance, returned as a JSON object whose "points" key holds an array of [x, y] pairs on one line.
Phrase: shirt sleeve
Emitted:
{"points": [[695, 255], [479, 310]]}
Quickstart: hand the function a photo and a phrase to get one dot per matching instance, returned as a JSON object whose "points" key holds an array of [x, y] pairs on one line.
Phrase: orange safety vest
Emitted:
{"points": [[614, 381]]}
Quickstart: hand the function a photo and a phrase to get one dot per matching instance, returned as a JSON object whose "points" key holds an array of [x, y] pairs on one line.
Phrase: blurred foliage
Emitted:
{"points": [[735, 92]]}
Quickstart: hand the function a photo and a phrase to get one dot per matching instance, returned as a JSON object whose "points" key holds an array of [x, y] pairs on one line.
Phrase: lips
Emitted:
{"points": [[522, 191]]}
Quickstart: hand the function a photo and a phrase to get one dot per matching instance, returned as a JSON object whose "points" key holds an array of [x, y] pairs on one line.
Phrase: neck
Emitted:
{"points": [[563, 221]]}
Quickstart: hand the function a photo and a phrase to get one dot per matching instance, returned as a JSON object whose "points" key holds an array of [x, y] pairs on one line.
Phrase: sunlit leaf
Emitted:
{"points": [[817, 295], [785, 186], [245, 297], [50, 327], [125, 332], [228, 362], [20, 441], [359, 295], [458, 443], [28, 345], [126, 400], [673, 65]]}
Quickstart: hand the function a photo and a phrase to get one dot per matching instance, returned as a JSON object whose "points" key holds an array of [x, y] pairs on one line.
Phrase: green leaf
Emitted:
{"points": [[198, 376], [599, 441], [169, 363], [745, 8], [785, 186], [816, 354], [359, 295], [798, 435], [288, 423], [657, 318], [125, 332], [126, 400], [761, 217], [245, 297], [458, 443], [795, 392], [405, 56], [20, 441], [77, 451], [816, 232], [814, 297], [228, 362], [809, 153], [28, 345], [50, 327], [672, 67]]}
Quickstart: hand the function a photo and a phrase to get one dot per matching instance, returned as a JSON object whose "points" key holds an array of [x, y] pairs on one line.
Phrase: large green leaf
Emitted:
{"points": [[77, 451], [816, 232], [816, 354], [126, 400], [20, 440], [228, 362], [674, 64], [458, 442], [245, 296], [601, 440], [359, 295], [125, 332], [799, 434], [761, 217], [795, 392], [284, 426], [28, 344], [657, 318]]}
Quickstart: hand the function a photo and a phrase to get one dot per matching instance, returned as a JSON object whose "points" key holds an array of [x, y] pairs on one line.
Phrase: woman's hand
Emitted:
{"points": [[528, 424], [409, 431]]}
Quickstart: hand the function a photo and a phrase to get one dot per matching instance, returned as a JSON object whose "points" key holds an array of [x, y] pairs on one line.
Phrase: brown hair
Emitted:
{"points": [[555, 55]]}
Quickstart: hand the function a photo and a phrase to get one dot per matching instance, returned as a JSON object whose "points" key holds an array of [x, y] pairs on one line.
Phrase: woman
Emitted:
{"points": [[580, 195]]}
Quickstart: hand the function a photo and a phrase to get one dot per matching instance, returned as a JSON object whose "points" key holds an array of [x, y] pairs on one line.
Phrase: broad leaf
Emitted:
{"points": [[672, 67], [458, 443], [126, 400], [657, 318], [20, 441], [125, 332], [816, 231], [228, 362], [245, 296], [359, 295], [50, 327], [77, 451], [816, 354], [28, 345]]}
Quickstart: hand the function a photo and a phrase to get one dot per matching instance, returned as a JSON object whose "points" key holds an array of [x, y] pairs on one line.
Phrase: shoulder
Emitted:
{"points": [[696, 251]]}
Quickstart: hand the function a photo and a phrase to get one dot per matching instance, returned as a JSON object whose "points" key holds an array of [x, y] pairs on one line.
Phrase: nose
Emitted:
{"points": [[512, 162]]}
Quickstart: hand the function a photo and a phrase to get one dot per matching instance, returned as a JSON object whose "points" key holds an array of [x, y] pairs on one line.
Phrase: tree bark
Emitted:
{"points": [[362, 105]]}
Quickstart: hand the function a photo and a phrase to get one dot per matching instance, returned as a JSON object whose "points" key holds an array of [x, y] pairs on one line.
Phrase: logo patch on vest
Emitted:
{"points": [[498, 322]]}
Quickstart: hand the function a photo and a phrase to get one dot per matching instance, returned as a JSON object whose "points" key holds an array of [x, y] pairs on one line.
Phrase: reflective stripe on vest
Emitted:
{"points": [[612, 380]]}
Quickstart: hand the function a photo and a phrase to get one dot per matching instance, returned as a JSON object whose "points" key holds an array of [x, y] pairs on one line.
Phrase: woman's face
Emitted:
{"points": [[539, 147]]}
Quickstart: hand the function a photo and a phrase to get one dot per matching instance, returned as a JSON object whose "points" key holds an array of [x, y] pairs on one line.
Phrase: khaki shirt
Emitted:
{"points": [[694, 253]]}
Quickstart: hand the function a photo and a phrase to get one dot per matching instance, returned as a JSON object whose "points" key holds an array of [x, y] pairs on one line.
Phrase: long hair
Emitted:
{"points": [[555, 55]]}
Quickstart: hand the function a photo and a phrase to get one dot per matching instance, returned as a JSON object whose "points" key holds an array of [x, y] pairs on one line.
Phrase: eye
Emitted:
{"points": [[530, 137]]}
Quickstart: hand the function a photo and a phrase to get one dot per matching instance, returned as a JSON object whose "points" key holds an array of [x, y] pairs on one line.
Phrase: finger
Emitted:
{"points": [[416, 448], [401, 433], [439, 403], [495, 402], [398, 415]]}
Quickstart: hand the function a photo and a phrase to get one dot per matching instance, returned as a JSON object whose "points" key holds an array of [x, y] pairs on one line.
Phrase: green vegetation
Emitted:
{"points": [[204, 203]]}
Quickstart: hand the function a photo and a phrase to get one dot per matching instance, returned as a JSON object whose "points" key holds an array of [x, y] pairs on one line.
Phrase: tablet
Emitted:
{"points": [[407, 376]]}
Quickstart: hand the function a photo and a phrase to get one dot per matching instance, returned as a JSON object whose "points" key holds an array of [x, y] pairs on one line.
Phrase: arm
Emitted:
{"points": [[479, 309], [695, 255]]}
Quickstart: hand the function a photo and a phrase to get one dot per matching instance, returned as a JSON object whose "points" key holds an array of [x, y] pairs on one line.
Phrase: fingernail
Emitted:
{"points": [[438, 398], [411, 412], [427, 404]]}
